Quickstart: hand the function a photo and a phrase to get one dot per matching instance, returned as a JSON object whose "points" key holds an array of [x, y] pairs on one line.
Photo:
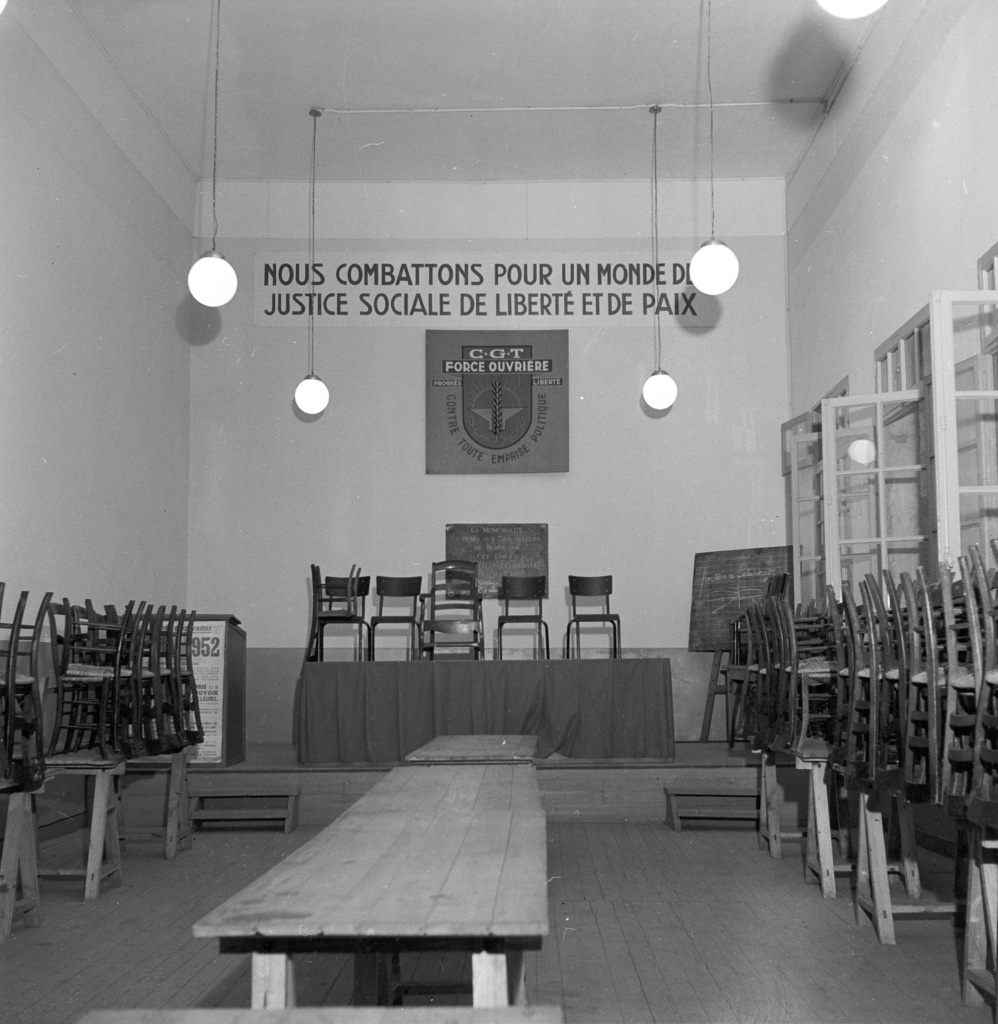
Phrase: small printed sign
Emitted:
{"points": [[208, 657]]}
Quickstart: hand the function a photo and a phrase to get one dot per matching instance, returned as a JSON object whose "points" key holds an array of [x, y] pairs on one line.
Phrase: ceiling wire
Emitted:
{"points": [[710, 97], [214, 119], [565, 109], [655, 111]]}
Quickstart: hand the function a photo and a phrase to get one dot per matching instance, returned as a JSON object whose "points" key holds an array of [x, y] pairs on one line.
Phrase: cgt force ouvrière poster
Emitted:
{"points": [[497, 401]]}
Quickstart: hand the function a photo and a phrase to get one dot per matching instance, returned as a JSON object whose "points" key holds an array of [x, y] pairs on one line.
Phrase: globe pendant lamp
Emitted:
{"points": [[311, 395], [660, 390], [211, 280], [851, 8], [714, 267]]}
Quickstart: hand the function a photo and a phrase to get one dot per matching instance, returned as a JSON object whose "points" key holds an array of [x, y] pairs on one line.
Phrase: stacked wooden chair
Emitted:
{"points": [[124, 692], [980, 955], [339, 601], [22, 762]]}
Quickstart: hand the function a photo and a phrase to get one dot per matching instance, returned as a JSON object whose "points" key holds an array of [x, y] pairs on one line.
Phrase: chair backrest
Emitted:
{"points": [[340, 597], [522, 588], [402, 588], [591, 587], [453, 592]]}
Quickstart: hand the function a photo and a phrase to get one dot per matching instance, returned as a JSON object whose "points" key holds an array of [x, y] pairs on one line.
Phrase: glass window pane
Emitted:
{"points": [[858, 560], [977, 441], [812, 581], [911, 375], [978, 520], [972, 326], [856, 440], [902, 441], [906, 503], [907, 556], [858, 514]]}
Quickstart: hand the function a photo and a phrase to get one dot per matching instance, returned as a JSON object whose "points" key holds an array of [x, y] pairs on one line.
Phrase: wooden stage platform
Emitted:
{"points": [[571, 789], [608, 790]]}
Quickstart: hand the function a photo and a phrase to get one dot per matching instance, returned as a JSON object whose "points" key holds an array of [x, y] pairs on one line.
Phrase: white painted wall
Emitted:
{"points": [[906, 200], [94, 354]]}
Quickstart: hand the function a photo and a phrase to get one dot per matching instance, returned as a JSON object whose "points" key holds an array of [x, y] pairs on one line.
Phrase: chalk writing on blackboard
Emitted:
{"points": [[500, 549], [724, 583]]}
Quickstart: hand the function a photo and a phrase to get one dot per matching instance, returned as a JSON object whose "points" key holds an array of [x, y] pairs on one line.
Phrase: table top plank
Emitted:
{"points": [[334, 1015], [424, 853], [474, 748]]}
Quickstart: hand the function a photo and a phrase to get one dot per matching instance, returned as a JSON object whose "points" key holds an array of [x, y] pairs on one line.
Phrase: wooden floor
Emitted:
{"points": [[647, 925]]}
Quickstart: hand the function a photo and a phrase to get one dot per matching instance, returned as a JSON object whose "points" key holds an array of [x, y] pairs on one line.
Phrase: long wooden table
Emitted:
{"points": [[474, 749], [434, 856], [335, 1015]]}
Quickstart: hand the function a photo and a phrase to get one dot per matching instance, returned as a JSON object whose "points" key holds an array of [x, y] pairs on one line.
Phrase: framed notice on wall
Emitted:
{"points": [[500, 549], [497, 401]]}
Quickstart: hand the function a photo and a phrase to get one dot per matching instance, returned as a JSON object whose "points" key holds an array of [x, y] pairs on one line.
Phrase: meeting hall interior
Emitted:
{"points": [[506, 528]]}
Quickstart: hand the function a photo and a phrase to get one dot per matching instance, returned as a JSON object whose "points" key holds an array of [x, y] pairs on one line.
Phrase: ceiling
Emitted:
{"points": [[587, 69]]}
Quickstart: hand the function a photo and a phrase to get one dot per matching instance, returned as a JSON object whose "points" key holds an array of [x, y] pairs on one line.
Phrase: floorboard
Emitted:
{"points": [[647, 924]]}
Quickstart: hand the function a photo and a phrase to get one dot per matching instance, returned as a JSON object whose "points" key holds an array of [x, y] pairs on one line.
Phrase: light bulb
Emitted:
{"points": [[660, 390], [3, 4], [311, 395], [714, 268], [211, 280], [851, 8], [863, 451]]}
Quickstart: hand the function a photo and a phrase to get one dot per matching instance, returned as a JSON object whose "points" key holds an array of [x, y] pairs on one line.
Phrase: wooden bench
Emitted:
{"points": [[336, 1015], [432, 857], [676, 809], [250, 809]]}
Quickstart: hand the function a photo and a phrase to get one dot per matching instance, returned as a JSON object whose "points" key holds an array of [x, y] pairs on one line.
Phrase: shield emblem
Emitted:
{"points": [[498, 408]]}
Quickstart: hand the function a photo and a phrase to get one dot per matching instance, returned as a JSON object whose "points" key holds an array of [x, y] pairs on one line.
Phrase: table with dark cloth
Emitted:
{"points": [[380, 711]]}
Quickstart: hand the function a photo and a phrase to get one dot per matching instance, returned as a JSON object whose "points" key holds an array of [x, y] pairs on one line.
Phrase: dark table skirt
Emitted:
{"points": [[381, 711]]}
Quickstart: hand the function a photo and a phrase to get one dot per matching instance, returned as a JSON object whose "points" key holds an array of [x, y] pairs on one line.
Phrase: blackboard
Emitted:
{"points": [[724, 583], [500, 549]]}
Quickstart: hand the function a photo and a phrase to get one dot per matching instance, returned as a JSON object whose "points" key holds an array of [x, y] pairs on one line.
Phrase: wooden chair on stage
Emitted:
{"points": [[338, 601], [590, 600], [451, 622], [529, 591], [402, 594]]}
